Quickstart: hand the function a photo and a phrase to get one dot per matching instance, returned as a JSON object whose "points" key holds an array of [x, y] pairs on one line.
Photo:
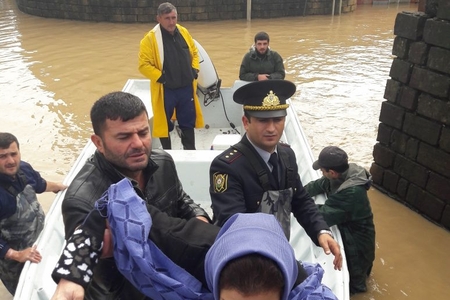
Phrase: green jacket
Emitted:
{"points": [[253, 64], [348, 207]]}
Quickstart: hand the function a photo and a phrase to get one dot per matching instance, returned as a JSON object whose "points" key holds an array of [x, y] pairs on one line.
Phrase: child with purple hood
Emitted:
{"points": [[251, 258]]}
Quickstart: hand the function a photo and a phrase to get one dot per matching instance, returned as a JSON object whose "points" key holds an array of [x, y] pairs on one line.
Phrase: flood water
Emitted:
{"points": [[51, 71]]}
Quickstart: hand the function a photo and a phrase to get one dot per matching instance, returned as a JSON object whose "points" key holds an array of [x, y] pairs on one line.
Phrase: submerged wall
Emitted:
{"points": [[412, 156], [132, 11]]}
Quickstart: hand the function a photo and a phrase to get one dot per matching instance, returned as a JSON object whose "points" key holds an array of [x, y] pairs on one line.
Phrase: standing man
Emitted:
{"points": [[124, 150], [261, 63], [348, 207], [21, 215], [259, 174], [169, 58]]}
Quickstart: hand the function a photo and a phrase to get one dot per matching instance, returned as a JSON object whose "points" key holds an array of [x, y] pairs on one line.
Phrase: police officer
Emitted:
{"points": [[260, 174]]}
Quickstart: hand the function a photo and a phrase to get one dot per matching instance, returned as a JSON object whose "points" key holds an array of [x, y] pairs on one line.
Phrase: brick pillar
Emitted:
{"points": [[412, 156]]}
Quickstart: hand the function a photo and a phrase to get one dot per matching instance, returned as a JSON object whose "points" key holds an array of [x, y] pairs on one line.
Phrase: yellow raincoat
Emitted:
{"points": [[151, 61]]}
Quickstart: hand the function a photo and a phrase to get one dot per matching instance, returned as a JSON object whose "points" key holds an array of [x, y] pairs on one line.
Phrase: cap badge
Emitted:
{"points": [[271, 100]]}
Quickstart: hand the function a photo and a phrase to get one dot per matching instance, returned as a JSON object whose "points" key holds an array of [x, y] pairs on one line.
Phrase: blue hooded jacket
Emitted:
{"points": [[261, 233]]}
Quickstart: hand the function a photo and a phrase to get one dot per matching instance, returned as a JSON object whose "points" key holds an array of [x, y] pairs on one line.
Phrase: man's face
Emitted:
{"points": [[127, 145], [262, 46], [168, 21], [264, 133], [10, 160], [330, 174]]}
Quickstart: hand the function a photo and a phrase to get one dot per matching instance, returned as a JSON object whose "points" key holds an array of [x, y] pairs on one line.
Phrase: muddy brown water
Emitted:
{"points": [[51, 71]]}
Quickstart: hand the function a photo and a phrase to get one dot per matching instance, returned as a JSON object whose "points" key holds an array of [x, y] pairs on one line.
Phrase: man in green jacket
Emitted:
{"points": [[261, 62], [348, 207]]}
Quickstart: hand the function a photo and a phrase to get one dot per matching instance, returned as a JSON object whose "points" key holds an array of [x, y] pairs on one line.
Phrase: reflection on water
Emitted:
{"points": [[51, 71]]}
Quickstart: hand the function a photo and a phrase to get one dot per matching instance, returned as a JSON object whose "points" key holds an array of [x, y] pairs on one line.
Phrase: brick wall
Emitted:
{"points": [[132, 11], [412, 156]]}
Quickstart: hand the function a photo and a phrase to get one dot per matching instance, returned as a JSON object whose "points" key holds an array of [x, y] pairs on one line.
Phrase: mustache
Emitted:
{"points": [[137, 151]]}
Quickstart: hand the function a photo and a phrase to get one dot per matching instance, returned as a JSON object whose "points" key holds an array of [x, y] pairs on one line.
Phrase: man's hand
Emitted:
{"points": [[329, 245], [31, 254], [68, 290], [263, 77], [201, 218], [55, 187], [108, 243]]}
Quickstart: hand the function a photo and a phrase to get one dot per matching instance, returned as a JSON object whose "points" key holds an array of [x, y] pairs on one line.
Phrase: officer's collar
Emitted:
{"points": [[263, 153]]}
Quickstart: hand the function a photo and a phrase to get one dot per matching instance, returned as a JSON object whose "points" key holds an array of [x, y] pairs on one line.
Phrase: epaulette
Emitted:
{"points": [[281, 143], [230, 155]]}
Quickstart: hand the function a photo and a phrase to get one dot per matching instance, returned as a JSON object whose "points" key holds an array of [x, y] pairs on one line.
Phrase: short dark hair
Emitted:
{"points": [[165, 8], [252, 274], [262, 36], [113, 106], [6, 139]]}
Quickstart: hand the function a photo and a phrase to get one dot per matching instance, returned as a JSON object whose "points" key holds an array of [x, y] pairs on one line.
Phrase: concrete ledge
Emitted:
{"points": [[144, 11]]}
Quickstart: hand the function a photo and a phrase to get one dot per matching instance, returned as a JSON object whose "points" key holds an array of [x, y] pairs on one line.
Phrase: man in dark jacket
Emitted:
{"points": [[261, 62], [123, 141], [348, 207]]}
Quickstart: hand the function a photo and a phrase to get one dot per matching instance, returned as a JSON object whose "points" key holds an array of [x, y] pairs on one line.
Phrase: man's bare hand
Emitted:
{"points": [[55, 187], [263, 77], [203, 219], [108, 243], [31, 254], [68, 290], [329, 245]]}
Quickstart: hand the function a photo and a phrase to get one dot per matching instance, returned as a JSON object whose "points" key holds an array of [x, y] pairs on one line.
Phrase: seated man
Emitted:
{"points": [[261, 62], [252, 259], [124, 150], [348, 207], [21, 215]]}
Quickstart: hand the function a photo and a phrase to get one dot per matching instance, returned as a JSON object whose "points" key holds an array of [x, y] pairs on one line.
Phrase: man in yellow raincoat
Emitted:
{"points": [[169, 58]]}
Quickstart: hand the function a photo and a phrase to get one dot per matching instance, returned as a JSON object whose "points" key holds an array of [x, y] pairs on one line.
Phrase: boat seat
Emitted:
{"points": [[224, 141]]}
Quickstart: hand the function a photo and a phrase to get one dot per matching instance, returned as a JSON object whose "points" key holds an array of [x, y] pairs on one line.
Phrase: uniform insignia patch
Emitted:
{"points": [[220, 182]]}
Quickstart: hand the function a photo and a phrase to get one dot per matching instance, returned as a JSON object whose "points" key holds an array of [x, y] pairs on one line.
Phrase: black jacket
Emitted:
{"points": [[185, 241], [163, 189], [242, 191]]}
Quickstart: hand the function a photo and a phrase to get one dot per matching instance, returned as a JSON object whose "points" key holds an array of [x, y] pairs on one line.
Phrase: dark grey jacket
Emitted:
{"points": [[252, 65]]}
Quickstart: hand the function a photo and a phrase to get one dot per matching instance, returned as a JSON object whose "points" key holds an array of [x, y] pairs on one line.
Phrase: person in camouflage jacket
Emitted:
{"points": [[348, 207]]}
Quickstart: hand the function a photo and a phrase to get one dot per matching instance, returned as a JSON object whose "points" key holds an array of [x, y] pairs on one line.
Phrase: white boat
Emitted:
{"points": [[222, 128]]}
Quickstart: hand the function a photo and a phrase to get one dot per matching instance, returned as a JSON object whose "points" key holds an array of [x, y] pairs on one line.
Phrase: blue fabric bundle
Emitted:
{"points": [[137, 257]]}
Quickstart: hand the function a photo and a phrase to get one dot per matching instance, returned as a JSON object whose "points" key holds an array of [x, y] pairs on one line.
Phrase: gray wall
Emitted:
{"points": [[131, 11], [412, 156]]}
